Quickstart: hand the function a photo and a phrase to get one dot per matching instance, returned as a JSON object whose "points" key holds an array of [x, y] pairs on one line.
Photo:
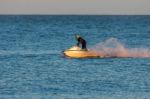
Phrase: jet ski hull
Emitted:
{"points": [[77, 52]]}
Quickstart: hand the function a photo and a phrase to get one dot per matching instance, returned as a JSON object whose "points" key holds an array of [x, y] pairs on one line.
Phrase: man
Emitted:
{"points": [[81, 41]]}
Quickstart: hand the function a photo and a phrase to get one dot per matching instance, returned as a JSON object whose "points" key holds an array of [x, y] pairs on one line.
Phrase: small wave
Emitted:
{"points": [[4, 53], [113, 48]]}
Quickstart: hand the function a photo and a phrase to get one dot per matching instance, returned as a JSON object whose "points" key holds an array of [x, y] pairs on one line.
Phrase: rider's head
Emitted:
{"points": [[77, 36]]}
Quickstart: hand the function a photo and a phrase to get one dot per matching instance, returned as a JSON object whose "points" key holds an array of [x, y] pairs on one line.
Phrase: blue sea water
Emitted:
{"points": [[32, 65]]}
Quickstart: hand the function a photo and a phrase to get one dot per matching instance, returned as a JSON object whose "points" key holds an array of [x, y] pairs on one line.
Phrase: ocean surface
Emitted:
{"points": [[32, 65]]}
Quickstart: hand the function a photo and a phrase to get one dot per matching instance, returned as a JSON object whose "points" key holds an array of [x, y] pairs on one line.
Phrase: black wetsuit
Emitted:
{"points": [[83, 42]]}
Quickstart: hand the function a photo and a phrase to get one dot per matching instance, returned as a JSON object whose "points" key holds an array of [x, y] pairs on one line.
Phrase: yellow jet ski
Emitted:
{"points": [[77, 52]]}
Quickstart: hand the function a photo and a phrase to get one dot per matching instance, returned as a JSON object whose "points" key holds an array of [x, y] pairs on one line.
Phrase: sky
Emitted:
{"points": [[96, 7]]}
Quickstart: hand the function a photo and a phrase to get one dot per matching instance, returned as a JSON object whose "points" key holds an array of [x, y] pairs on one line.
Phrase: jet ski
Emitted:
{"points": [[77, 52]]}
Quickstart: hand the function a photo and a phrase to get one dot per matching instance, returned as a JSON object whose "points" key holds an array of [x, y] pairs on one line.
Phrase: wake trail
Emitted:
{"points": [[113, 48]]}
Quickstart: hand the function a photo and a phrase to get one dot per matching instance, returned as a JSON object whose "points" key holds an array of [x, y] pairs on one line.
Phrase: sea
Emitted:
{"points": [[32, 64]]}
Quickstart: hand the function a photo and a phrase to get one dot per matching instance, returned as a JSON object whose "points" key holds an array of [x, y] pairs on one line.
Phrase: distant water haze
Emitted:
{"points": [[75, 7]]}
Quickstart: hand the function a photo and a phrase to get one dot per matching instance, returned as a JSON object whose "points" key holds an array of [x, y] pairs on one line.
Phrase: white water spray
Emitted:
{"points": [[113, 48]]}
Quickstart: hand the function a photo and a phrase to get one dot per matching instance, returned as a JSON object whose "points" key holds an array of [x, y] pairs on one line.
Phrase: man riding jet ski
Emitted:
{"points": [[81, 41], [80, 52]]}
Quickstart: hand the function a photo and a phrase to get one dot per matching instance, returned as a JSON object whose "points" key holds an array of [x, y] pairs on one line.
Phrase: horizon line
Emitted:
{"points": [[80, 14]]}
